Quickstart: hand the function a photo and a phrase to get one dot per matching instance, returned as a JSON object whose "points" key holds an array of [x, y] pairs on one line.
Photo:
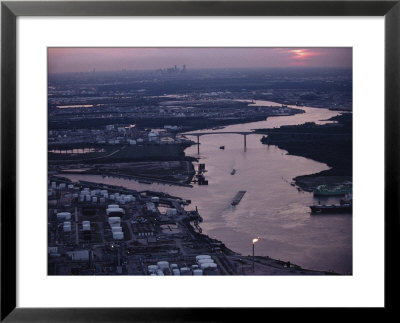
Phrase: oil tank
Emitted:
{"points": [[197, 272], [185, 271], [64, 215], [118, 235], [202, 257], [209, 265], [204, 261], [116, 229], [152, 268], [163, 264], [114, 220]]}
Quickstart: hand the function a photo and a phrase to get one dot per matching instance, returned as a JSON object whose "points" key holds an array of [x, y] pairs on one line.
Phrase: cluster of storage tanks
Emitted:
{"points": [[67, 224], [205, 265], [101, 196], [62, 186], [115, 221], [86, 195]]}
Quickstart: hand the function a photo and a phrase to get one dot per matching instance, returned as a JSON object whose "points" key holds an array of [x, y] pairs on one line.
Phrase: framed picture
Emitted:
{"points": [[150, 122]]}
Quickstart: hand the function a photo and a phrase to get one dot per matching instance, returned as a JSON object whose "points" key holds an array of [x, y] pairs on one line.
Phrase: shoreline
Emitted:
{"points": [[330, 144]]}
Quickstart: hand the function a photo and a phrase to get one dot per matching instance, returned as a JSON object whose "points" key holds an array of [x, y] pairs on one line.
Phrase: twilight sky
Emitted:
{"points": [[61, 60]]}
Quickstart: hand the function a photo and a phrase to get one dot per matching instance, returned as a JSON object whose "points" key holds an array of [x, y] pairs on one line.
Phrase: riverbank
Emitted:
{"points": [[263, 265], [330, 144]]}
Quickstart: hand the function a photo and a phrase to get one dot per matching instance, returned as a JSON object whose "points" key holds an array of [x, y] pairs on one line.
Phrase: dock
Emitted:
{"points": [[238, 197]]}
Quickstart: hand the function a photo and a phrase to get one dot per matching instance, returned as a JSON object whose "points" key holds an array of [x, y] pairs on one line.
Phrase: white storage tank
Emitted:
{"points": [[112, 197], [208, 265], [197, 272], [114, 220], [53, 185], [86, 225], [185, 271], [64, 215], [118, 235], [160, 272], [102, 192], [63, 185], [173, 266], [88, 198], [102, 200], [204, 261], [67, 226], [94, 199], [152, 268], [116, 229], [113, 206], [75, 195], [163, 264], [71, 186], [176, 272], [202, 257]]}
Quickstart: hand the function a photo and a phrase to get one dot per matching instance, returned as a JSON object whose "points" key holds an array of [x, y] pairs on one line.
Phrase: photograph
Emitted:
{"points": [[203, 161]]}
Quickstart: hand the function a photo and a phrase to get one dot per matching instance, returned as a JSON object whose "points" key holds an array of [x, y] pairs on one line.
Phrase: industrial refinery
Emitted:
{"points": [[98, 229]]}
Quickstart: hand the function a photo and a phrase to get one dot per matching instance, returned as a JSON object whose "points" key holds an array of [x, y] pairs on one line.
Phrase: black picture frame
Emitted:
{"points": [[10, 10]]}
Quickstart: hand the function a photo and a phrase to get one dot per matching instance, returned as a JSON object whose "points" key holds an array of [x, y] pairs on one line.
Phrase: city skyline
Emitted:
{"points": [[81, 59]]}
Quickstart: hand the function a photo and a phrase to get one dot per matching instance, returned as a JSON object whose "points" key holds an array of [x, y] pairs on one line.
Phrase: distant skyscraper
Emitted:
{"points": [[183, 68]]}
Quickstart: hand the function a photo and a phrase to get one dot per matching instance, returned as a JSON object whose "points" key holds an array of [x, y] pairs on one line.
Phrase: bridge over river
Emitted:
{"points": [[199, 134]]}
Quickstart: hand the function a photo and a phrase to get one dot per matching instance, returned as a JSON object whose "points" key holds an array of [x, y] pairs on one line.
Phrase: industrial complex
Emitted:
{"points": [[98, 229]]}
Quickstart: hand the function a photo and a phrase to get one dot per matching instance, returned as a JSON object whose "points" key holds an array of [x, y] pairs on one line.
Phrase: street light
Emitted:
{"points": [[255, 240]]}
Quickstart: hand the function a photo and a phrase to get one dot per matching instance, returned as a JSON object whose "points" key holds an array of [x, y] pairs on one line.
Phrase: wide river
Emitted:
{"points": [[272, 208]]}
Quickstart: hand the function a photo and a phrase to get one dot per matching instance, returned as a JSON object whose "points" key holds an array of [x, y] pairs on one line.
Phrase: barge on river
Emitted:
{"points": [[238, 197]]}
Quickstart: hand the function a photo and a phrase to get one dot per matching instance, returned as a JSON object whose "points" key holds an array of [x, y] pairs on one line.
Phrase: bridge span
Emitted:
{"points": [[199, 134]]}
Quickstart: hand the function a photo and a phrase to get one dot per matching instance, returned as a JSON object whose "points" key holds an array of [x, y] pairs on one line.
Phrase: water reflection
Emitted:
{"points": [[271, 208]]}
